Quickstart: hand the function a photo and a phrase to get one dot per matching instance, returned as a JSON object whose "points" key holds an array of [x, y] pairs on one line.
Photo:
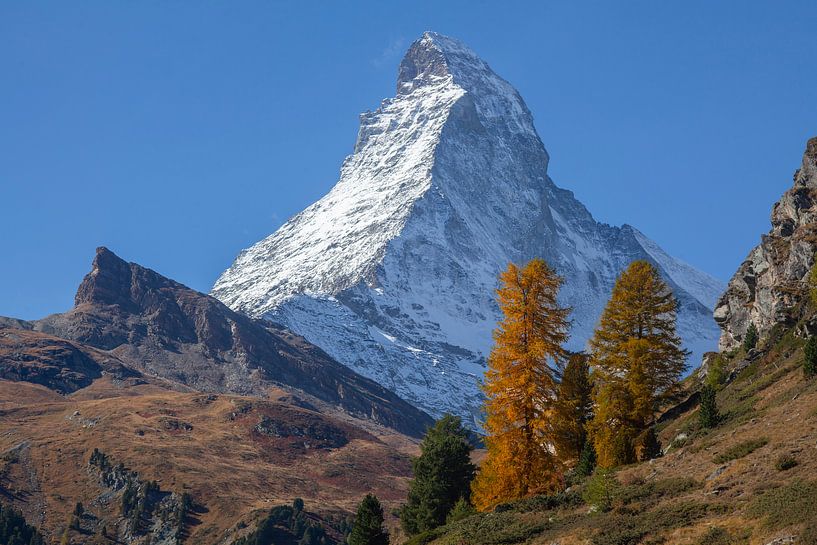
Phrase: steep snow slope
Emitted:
{"points": [[393, 272]]}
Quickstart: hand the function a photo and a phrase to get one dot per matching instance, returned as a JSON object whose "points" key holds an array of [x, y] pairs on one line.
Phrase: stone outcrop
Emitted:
{"points": [[770, 284]]}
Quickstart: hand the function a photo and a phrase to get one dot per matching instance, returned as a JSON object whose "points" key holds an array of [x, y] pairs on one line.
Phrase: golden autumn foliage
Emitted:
{"points": [[521, 386], [637, 361]]}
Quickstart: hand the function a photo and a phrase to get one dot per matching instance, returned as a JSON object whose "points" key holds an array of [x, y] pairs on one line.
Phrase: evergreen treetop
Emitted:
{"points": [[368, 526], [751, 337]]}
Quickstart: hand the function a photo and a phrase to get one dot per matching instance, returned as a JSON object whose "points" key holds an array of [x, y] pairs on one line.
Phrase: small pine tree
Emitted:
{"points": [[812, 279], [442, 475], [368, 526], [716, 373], [461, 510], [574, 408], [708, 416], [601, 490], [810, 363], [587, 460], [750, 340], [649, 446]]}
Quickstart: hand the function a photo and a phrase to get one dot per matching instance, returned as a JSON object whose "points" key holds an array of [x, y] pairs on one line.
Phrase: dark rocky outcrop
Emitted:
{"points": [[315, 434], [162, 328], [56, 363], [770, 284]]}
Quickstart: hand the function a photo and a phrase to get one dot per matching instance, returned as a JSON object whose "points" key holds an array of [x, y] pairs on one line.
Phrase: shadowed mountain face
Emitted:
{"points": [[137, 318]]}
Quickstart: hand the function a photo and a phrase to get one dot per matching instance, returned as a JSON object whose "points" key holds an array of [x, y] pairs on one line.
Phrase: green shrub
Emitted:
{"points": [[654, 490], [549, 502], [627, 527], [740, 450], [785, 462]]}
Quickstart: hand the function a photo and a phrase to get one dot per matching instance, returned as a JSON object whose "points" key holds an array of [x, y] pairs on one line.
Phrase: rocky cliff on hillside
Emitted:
{"points": [[135, 316], [393, 272], [769, 284]]}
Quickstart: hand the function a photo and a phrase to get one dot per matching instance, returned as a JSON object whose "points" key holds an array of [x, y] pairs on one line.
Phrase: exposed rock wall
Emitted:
{"points": [[769, 284]]}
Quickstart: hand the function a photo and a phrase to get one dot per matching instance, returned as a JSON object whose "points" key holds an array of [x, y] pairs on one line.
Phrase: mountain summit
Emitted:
{"points": [[393, 272]]}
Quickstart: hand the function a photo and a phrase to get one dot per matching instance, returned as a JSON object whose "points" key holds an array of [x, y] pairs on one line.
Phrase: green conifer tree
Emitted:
{"points": [[751, 338], [649, 446], [810, 363], [574, 408], [442, 475], [708, 416], [587, 460], [368, 527]]}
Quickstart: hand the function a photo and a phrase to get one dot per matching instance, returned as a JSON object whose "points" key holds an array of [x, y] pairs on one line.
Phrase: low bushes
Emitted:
{"points": [[782, 506]]}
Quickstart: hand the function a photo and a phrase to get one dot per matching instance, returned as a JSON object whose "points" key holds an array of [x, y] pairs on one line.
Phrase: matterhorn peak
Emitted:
{"points": [[393, 272], [435, 57]]}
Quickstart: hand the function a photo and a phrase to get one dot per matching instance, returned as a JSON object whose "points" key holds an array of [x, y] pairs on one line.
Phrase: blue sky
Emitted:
{"points": [[178, 133]]}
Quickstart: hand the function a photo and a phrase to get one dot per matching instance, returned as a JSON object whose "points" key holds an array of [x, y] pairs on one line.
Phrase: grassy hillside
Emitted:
{"points": [[235, 457], [750, 480]]}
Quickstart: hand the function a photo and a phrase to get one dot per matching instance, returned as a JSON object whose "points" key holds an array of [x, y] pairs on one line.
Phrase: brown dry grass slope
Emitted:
{"points": [[235, 455]]}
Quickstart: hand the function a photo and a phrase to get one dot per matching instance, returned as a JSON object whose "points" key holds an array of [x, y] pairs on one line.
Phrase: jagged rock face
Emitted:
{"points": [[393, 272], [130, 314], [773, 279]]}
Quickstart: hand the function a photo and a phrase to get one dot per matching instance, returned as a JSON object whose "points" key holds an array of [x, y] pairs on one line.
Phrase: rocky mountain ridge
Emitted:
{"points": [[129, 320]]}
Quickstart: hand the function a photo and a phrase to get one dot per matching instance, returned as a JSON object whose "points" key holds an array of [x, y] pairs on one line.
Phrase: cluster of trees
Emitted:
{"points": [[15, 531], [287, 525], [547, 409], [439, 493], [140, 501]]}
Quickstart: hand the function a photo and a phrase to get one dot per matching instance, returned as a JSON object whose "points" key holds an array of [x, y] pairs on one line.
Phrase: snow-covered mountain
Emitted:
{"points": [[393, 272]]}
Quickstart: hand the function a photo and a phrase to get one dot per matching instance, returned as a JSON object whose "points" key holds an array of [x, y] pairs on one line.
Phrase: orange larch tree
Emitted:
{"points": [[520, 387], [637, 361]]}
